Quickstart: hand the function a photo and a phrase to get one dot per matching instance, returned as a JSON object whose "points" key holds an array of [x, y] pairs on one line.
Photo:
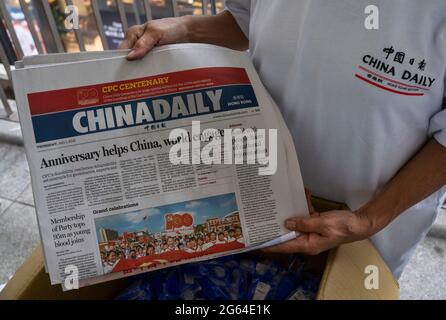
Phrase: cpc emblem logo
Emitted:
{"points": [[87, 96]]}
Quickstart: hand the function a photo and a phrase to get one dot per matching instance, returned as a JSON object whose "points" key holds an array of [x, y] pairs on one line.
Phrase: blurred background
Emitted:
{"points": [[30, 27]]}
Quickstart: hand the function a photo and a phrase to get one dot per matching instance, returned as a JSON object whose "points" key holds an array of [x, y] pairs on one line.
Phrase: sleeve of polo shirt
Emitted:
{"points": [[437, 127], [241, 10]]}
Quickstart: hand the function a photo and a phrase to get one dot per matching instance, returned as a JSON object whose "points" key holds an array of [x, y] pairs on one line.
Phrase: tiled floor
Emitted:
{"points": [[424, 278], [12, 103], [18, 226]]}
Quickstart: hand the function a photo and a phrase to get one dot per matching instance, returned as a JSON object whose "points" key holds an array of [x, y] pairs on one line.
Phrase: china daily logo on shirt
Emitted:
{"points": [[396, 71]]}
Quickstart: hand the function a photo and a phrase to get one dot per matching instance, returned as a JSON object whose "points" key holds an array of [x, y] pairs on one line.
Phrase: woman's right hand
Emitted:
{"points": [[221, 30], [143, 38]]}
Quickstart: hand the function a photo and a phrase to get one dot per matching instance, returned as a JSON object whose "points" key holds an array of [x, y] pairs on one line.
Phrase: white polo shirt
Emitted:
{"points": [[359, 103]]}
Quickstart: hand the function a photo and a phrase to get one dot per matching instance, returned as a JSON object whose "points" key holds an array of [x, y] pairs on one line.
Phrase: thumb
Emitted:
{"points": [[142, 47]]}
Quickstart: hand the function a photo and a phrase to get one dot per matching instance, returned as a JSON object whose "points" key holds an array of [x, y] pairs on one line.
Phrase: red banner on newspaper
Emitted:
{"points": [[173, 256], [124, 91]]}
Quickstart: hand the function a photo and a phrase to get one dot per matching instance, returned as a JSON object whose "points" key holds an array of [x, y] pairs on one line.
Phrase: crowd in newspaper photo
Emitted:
{"points": [[170, 233]]}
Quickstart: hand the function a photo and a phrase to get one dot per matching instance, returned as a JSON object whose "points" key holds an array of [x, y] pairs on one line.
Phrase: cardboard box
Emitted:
{"points": [[343, 276]]}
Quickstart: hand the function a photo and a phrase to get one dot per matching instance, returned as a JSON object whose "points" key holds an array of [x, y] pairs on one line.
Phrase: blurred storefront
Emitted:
{"points": [[113, 28]]}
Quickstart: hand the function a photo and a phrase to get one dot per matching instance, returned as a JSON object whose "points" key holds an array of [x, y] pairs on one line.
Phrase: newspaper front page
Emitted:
{"points": [[101, 134]]}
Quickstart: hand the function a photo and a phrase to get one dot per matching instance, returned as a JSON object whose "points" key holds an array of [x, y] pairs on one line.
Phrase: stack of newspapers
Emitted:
{"points": [[136, 166]]}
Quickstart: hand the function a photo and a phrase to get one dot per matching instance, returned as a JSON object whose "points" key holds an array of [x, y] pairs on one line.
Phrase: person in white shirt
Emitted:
{"points": [[140, 252], [231, 235], [239, 235], [221, 238], [213, 237], [200, 244], [171, 246], [365, 107], [110, 263], [191, 246], [210, 240]]}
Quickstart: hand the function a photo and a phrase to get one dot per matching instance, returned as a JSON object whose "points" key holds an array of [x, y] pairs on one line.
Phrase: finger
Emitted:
{"points": [[131, 37], [313, 224], [142, 47], [128, 42]]}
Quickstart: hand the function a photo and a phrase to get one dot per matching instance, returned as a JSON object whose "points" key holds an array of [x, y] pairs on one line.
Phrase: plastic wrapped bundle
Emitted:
{"points": [[240, 277]]}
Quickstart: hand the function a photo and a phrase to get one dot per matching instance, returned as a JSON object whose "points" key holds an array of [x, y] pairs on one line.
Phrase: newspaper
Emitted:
{"points": [[100, 134]]}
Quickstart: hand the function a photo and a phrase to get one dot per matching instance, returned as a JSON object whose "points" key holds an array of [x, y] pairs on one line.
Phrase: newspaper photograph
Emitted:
{"points": [[170, 233], [180, 157]]}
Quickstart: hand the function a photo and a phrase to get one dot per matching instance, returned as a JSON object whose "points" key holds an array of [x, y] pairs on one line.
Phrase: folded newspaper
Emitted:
{"points": [[117, 189]]}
